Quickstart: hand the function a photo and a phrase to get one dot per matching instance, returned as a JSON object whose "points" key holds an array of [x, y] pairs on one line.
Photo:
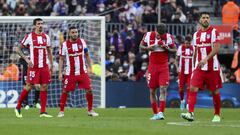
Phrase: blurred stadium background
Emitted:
{"points": [[126, 23]]}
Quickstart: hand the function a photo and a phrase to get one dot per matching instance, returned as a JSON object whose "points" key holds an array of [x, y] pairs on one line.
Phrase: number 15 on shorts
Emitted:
{"points": [[32, 75]]}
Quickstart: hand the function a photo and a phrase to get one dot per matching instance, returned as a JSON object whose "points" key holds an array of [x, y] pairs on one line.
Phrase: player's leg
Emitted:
{"points": [[197, 81], [162, 99], [45, 80], [213, 83], [89, 98], [85, 83], [63, 101], [217, 106], [154, 105], [69, 84], [36, 102], [181, 90], [22, 97]]}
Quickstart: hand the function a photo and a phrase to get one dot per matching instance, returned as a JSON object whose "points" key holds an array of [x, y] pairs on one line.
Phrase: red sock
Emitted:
{"points": [[89, 97], [43, 97], [217, 103], [63, 100], [154, 107], [23, 95], [162, 106], [187, 96], [181, 94], [192, 100]]}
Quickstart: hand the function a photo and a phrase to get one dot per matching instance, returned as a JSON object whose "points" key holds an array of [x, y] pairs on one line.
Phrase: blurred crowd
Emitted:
{"points": [[124, 61]]}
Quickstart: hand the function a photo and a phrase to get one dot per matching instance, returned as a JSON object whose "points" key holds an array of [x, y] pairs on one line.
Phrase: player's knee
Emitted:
{"points": [[215, 92], [193, 89], [89, 91], [28, 87], [44, 87]]}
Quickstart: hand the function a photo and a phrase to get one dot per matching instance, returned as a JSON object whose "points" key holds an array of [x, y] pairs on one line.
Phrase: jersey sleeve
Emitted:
{"points": [[215, 36], [84, 45], [194, 39], [144, 40], [170, 41], [179, 51], [63, 49], [48, 41], [26, 40]]}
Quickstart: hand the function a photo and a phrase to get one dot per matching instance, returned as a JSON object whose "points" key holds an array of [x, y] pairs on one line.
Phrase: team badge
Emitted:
{"points": [[208, 36]]}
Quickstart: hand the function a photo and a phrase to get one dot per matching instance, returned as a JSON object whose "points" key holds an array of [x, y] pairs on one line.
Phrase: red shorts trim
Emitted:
{"points": [[157, 75], [211, 79], [70, 82], [38, 75], [184, 79]]}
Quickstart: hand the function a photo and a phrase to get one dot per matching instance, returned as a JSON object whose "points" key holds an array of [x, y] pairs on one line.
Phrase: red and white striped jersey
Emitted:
{"points": [[74, 54], [159, 55], [204, 41], [38, 48], [186, 59]]}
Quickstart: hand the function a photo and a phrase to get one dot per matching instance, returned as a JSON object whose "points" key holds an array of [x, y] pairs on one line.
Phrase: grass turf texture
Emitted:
{"points": [[129, 121]]}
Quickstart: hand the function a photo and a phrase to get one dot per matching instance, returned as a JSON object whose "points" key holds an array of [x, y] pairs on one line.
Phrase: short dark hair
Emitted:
{"points": [[188, 38], [204, 13], [161, 28], [72, 27], [36, 20]]}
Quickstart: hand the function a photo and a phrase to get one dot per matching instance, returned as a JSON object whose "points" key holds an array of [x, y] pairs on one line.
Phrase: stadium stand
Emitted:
{"points": [[126, 22]]}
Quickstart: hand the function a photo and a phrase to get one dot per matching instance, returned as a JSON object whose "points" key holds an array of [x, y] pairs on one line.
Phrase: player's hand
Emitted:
{"points": [[51, 70], [150, 48], [60, 77], [30, 64], [90, 71], [202, 62]]}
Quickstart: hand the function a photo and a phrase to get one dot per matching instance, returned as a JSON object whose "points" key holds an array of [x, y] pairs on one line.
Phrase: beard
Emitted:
{"points": [[205, 25]]}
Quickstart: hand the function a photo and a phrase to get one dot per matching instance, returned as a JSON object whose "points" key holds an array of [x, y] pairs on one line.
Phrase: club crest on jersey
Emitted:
{"points": [[208, 36], [79, 46]]}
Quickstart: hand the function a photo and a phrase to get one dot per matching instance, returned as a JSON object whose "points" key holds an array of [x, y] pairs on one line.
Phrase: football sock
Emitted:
{"points": [[162, 106], [217, 103], [154, 107], [89, 97], [181, 94], [21, 98], [63, 101], [43, 97], [192, 100]]}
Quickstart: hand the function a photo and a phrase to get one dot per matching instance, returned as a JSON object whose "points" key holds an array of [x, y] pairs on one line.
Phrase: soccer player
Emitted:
{"points": [[185, 57], [24, 80], [72, 52], [38, 71], [159, 44], [207, 67]]}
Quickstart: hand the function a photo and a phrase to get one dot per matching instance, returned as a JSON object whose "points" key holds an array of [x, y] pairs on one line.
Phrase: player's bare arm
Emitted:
{"points": [[176, 62], [89, 62], [20, 53], [146, 48], [214, 51], [170, 49], [194, 55], [60, 68], [50, 57]]}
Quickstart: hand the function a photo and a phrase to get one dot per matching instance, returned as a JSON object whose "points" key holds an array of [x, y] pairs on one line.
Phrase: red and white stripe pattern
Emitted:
{"points": [[186, 59], [204, 41], [74, 54], [38, 48], [158, 55]]}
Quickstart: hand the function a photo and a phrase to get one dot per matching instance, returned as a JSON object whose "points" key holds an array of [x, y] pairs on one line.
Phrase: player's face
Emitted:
{"points": [[39, 26], [187, 43], [73, 34], [205, 20]]}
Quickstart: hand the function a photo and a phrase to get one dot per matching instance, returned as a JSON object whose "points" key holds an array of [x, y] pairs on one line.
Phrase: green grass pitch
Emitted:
{"points": [[127, 121]]}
